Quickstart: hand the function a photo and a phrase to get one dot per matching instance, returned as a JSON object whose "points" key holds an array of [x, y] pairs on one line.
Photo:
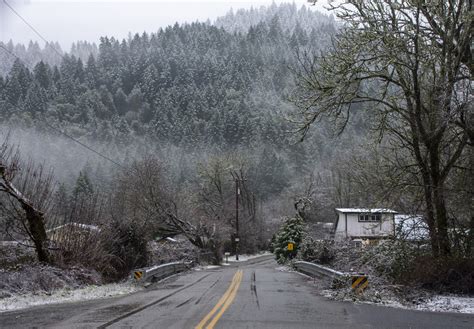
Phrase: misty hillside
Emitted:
{"points": [[291, 18], [195, 89]]}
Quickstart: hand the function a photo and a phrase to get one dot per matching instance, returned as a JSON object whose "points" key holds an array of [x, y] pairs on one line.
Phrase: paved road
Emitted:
{"points": [[252, 295]]}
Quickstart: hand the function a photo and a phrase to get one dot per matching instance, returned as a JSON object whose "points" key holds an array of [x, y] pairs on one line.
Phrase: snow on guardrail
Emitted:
{"points": [[316, 270], [359, 281], [159, 272]]}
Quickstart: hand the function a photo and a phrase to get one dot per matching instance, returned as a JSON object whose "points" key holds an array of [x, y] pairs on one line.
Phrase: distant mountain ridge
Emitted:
{"points": [[290, 19], [289, 16]]}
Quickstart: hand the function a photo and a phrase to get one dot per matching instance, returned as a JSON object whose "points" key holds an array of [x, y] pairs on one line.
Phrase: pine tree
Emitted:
{"points": [[149, 83], [91, 73], [35, 100], [42, 74], [83, 187], [291, 232], [120, 101]]}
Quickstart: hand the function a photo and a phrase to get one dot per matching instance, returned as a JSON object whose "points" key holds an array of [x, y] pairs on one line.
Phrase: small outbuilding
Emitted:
{"points": [[364, 224]]}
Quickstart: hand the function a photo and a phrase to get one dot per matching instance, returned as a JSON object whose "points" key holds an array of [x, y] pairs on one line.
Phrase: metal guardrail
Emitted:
{"points": [[316, 270], [359, 280], [159, 272]]}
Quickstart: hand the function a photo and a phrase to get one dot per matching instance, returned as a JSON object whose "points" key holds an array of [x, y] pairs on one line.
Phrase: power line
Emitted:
{"points": [[75, 140], [8, 51], [84, 145], [44, 121], [30, 26]]}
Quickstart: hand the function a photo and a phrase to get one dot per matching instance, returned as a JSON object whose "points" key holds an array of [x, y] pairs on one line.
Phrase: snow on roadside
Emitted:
{"points": [[437, 303], [440, 303], [206, 267], [434, 303], [244, 258], [17, 302]]}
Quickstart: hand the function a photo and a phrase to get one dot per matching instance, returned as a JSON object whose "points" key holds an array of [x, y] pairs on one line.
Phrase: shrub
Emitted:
{"points": [[391, 258], [127, 244], [405, 263], [453, 274], [319, 251]]}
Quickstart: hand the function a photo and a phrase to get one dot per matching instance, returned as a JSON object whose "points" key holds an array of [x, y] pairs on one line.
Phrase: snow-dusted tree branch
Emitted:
{"points": [[28, 190], [407, 63]]}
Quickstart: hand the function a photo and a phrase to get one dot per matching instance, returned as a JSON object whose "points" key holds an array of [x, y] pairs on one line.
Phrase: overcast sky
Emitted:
{"points": [[67, 21]]}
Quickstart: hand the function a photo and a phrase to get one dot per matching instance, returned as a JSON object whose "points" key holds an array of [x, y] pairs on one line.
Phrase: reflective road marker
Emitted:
{"points": [[138, 275]]}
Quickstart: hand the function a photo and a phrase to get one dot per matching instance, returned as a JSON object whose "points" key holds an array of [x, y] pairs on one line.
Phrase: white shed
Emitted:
{"points": [[361, 223]]}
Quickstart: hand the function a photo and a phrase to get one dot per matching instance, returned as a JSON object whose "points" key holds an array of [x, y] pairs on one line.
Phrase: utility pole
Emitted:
{"points": [[237, 181], [237, 236]]}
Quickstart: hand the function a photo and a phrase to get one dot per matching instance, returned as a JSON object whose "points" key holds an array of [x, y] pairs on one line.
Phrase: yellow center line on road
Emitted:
{"points": [[223, 303]]}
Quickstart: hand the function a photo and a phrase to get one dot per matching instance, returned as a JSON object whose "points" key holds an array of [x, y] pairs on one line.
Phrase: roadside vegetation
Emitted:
{"points": [[408, 66]]}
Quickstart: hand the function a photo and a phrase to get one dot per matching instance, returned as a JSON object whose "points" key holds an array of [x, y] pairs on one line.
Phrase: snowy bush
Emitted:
{"points": [[319, 251], [290, 232], [126, 244], [406, 263], [391, 258]]}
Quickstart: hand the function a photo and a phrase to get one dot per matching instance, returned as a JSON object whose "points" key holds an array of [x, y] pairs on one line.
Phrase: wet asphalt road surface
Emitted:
{"points": [[255, 294]]}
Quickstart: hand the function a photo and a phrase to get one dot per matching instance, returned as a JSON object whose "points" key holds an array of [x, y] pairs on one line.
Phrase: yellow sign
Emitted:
{"points": [[290, 246], [138, 275]]}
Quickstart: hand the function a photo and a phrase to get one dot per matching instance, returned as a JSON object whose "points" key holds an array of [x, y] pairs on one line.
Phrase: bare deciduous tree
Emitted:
{"points": [[216, 201], [28, 190], [145, 196], [408, 63]]}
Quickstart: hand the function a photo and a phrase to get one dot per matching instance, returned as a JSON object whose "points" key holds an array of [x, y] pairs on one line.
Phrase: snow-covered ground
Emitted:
{"points": [[437, 303], [244, 258], [434, 303], [231, 259], [206, 267], [67, 295], [448, 304]]}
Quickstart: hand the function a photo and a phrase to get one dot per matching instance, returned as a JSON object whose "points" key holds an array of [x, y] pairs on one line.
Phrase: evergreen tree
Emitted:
{"points": [[91, 73], [42, 74], [35, 100], [120, 101], [83, 186], [292, 232]]}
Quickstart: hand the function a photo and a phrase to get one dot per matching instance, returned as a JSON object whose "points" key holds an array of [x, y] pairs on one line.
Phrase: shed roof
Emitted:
{"points": [[366, 210]]}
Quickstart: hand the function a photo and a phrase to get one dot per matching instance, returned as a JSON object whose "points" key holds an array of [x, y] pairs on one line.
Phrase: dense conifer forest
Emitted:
{"points": [[216, 88]]}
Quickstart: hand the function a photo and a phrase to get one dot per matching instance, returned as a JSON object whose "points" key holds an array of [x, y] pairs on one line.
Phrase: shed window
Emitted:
{"points": [[370, 217]]}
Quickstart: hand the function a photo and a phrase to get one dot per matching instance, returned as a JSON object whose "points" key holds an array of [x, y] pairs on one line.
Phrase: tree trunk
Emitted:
{"points": [[470, 241], [441, 214], [430, 219], [37, 231], [442, 221]]}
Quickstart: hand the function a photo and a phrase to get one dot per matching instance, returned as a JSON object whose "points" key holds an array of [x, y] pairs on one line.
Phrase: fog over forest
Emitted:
{"points": [[186, 93], [192, 95]]}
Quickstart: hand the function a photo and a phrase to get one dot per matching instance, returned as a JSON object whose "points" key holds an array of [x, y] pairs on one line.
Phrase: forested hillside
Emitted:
{"points": [[192, 87]]}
